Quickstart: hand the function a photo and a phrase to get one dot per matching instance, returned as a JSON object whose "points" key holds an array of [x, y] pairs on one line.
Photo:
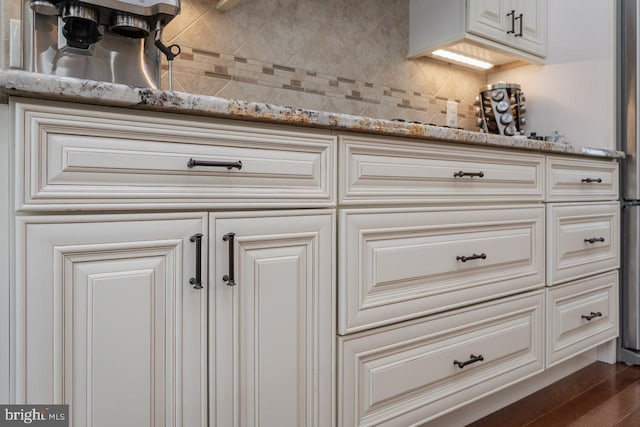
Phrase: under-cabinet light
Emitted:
{"points": [[466, 60]]}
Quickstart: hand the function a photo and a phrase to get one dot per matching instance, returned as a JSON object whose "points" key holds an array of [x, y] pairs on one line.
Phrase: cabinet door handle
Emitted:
{"points": [[197, 281], [590, 180], [474, 256], [519, 17], [592, 315], [512, 14], [472, 359], [192, 163], [460, 174], [230, 237], [594, 240]]}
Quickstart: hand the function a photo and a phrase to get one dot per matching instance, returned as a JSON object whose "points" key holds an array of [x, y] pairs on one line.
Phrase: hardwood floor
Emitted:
{"points": [[599, 395]]}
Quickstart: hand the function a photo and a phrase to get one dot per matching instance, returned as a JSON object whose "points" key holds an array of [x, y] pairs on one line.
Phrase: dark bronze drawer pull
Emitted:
{"points": [[460, 174], [512, 14], [474, 256], [229, 165], [197, 281], [520, 18], [472, 359], [594, 240], [229, 277], [590, 180], [592, 316]]}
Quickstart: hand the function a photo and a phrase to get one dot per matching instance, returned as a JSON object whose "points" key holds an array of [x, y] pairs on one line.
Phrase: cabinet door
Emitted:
{"points": [[488, 18], [534, 26], [274, 329], [106, 320], [492, 19]]}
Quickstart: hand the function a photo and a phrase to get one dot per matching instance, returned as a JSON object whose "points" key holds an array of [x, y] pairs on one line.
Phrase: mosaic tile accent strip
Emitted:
{"points": [[209, 69]]}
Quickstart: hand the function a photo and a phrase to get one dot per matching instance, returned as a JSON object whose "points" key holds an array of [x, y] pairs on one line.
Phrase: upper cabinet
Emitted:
{"points": [[519, 24], [473, 32]]}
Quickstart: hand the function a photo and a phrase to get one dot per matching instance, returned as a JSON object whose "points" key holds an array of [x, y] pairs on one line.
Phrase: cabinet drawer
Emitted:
{"points": [[106, 159], [397, 264], [583, 239], [378, 170], [580, 316], [572, 179], [405, 374]]}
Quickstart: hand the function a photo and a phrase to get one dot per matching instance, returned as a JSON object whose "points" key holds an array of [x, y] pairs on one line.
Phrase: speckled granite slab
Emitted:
{"points": [[21, 83]]}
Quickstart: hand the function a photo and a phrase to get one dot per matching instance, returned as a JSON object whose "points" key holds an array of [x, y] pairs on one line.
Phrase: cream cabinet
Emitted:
{"points": [[394, 171], [272, 319], [583, 255], [418, 261], [89, 158], [495, 31], [581, 315], [410, 373], [582, 239], [106, 320], [520, 24], [207, 318]]}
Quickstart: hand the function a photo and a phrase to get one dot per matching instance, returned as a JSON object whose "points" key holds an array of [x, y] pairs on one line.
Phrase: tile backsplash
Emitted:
{"points": [[345, 56]]}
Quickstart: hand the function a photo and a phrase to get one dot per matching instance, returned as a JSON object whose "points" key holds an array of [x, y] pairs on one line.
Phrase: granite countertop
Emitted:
{"points": [[41, 86]]}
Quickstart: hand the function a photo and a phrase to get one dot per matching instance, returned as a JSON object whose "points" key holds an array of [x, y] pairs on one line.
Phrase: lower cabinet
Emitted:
{"points": [[106, 321], [412, 372], [110, 318], [273, 331], [581, 315]]}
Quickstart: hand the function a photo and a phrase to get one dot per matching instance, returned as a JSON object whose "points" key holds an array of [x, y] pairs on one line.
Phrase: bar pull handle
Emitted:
{"points": [[519, 17], [590, 180], [592, 316], [228, 278], [512, 14], [474, 256], [229, 165], [594, 240], [197, 281], [472, 359], [460, 174]]}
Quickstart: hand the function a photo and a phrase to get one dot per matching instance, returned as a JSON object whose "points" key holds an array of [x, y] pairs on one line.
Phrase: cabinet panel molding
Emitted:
{"points": [[398, 264], [84, 158], [106, 320], [406, 374], [273, 345]]}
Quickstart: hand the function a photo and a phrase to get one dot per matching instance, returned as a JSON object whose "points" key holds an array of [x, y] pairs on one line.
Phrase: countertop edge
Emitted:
{"points": [[40, 86]]}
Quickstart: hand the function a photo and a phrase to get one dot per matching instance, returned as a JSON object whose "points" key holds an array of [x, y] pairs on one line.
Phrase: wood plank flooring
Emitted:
{"points": [[599, 395]]}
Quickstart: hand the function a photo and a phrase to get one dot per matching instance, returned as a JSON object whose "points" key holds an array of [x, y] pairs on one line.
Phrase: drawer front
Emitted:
{"points": [[378, 170], [398, 264], [405, 374], [572, 179], [581, 315], [583, 239], [89, 159]]}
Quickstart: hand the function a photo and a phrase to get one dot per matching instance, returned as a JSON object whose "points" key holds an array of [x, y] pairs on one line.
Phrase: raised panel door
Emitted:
{"points": [[274, 328], [533, 25], [107, 322], [490, 19]]}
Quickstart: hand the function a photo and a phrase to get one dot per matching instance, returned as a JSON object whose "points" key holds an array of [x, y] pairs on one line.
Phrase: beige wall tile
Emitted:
{"points": [[360, 40]]}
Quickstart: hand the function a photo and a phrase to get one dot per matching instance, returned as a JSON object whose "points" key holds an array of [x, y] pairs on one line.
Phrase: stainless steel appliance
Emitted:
{"points": [[500, 109], [107, 40], [629, 142]]}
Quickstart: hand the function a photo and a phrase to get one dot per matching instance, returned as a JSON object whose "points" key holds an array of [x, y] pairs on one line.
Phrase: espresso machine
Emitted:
{"points": [[107, 40]]}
